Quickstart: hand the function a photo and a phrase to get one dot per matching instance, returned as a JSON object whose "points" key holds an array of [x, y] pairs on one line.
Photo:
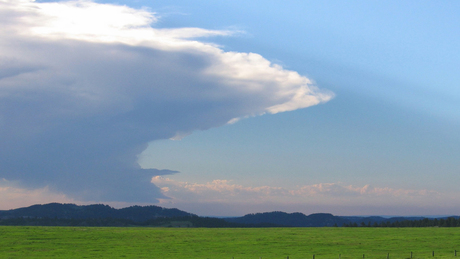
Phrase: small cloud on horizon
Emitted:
{"points": [[228, 198]]}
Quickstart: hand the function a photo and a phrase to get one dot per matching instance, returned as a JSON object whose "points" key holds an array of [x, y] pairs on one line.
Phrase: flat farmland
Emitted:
{"points": [[237, 243]]}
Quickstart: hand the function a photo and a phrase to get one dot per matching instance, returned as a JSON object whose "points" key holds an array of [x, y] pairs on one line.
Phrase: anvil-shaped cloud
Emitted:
{"points": [[85, 86]]}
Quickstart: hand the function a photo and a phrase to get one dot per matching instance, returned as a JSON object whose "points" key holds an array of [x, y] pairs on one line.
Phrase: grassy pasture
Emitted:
{"points": [[112, 242]]}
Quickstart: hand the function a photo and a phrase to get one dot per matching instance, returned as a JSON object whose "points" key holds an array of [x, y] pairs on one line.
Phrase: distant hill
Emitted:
{"points": [[56, 214], [377, 219], [97, 211], [296, 219]]}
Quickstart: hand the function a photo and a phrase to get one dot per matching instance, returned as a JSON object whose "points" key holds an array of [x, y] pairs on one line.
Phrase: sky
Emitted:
{"points": [[223, 108]]}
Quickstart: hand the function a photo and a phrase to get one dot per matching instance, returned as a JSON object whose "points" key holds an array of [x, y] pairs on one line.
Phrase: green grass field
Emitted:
{"points": [[111, 242]]}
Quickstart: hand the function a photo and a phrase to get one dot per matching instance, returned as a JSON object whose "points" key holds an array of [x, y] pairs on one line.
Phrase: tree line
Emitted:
{"points": [[208, 222], [426, 222], [186, 221]]}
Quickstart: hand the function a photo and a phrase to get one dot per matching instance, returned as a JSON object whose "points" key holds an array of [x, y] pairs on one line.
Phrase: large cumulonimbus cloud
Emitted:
{"points": [[85, 86]]}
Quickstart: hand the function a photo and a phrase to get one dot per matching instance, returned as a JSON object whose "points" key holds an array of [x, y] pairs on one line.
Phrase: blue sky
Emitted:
{"points": [[379, 135]]}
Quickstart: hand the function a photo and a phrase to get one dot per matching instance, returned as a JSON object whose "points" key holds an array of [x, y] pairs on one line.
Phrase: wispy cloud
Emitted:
{"points": [[12, 196], [226, 191], [85, 86], [336, 189], [221, 193]]}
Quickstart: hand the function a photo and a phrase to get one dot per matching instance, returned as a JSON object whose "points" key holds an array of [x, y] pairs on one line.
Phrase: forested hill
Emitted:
{"points": [[291, 219], [96, 211], [328, 220]]}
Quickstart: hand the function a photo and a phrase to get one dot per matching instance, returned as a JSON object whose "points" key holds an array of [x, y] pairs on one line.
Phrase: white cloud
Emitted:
{"points": [[85, 86], [224, 191]]}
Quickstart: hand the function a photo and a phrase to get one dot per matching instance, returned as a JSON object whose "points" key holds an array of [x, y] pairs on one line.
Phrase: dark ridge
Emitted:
{"points": [[96, 211], [296, 219]]}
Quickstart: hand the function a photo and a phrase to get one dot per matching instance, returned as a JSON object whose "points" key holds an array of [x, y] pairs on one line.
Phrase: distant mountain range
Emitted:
{"points": [[56, 214]]}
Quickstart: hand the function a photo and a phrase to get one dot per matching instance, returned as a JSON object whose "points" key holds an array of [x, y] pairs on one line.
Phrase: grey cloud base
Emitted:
{"points": [[82, 138], [75, 113]]}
